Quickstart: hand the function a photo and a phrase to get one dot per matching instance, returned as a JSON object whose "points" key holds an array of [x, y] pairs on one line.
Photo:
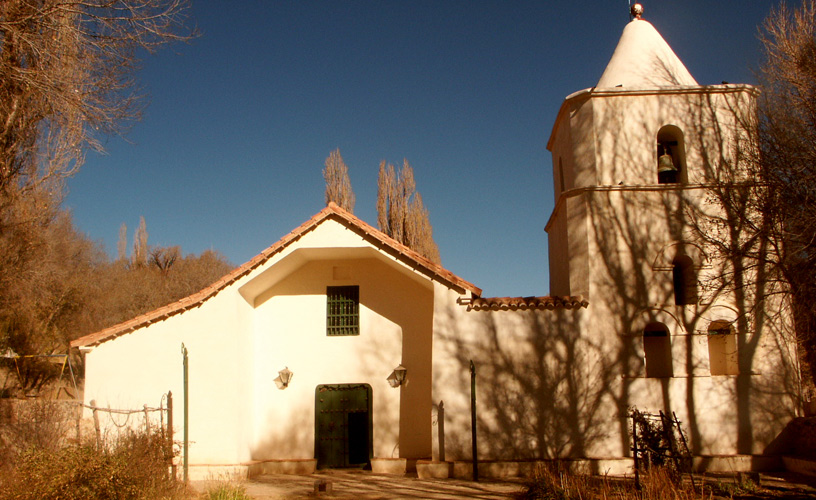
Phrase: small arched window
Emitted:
{"points": [[671, 155], [722, 349], [657, 348], [684, 280]]}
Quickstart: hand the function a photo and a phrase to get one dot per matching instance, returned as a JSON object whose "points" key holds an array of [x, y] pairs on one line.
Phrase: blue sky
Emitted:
{"points": [[230, 151]]}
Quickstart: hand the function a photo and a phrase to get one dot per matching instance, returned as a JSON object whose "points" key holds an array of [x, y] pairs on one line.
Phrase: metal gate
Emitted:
{"points": [[343, 425]]}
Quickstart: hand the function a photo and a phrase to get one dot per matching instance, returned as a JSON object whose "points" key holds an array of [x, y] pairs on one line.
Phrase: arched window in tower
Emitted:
{"points": [[722, 349], [657, 348], [671, 155], [684, 280]]}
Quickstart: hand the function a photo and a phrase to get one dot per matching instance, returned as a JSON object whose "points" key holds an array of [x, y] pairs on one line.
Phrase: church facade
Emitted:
{"points": [[340, 346]]}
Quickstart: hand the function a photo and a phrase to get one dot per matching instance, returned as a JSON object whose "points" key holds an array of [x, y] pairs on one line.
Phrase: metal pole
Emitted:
{"points": [[170, 435], [440, 420], [635, 451], [473, 420], [186, 415]]}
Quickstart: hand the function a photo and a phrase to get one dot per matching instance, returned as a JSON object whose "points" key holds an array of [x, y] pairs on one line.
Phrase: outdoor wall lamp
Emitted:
{"points": [[284, 377], [397, 377]]}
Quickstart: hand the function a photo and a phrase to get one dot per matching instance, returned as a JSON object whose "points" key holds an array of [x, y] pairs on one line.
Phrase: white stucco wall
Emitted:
{"points": [[290, 330], [275, 317], [635, 228], [138, 368]]}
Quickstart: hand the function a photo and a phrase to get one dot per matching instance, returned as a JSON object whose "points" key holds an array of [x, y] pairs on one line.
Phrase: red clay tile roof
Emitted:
{"points": [[523, 303], [383, 242]]}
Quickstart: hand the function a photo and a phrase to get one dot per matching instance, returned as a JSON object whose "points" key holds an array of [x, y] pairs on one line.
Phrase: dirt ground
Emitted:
{"points": [[365, 485], [775, 485]]}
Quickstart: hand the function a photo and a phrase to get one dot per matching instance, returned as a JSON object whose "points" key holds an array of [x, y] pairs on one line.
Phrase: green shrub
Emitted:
{"points": [[226, 491]]}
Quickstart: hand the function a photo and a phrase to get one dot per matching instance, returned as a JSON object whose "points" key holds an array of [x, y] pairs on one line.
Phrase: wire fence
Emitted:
{"points": [[66, 422], [121, 418]]}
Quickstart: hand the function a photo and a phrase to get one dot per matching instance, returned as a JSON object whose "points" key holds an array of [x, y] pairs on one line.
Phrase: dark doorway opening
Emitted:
{"points": [[343, 427]]}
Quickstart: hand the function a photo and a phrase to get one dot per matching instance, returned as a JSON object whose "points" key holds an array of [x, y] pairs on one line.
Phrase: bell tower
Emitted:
{"points": [[630, 157], [642, 166]]}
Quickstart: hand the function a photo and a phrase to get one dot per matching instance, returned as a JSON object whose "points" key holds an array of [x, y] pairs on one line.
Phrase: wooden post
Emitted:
{"points": [[79, 423], [147, 423], [440, 421], [473, 420], [686, 448], [96, 425]]}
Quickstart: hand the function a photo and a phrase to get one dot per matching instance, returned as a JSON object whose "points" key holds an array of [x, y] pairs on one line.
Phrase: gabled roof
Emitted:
{"points": [[379, 239], [644, 59]]}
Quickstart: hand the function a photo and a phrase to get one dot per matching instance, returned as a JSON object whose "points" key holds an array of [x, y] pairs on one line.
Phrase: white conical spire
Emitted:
{"points": [[644, 59]]}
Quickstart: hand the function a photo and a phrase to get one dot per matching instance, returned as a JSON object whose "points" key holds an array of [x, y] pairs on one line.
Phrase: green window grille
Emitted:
{"points": [[343, 310]]}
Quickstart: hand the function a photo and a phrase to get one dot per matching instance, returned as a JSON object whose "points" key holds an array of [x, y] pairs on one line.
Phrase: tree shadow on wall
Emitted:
{"points": [[557, 383], [537, 398]]}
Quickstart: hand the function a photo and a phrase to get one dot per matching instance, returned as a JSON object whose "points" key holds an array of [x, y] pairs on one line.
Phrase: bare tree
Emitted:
{"points": [[401, 213], [45, 306], [164, 257], [787, 166], [338, 184], [67, 71], [121, 244], [67, 81], [139, 257]]}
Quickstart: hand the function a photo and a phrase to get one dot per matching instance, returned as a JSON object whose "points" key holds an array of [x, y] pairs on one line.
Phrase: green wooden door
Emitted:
{"points": [[343, 425]]}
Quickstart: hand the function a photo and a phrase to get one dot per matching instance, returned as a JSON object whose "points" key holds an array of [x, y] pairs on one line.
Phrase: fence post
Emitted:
{"points": [[96, 425], [147, 424], [78, 415]]}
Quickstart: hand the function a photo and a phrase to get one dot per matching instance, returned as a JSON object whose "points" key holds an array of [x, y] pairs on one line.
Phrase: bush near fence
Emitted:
{"points": [[48, 451]]}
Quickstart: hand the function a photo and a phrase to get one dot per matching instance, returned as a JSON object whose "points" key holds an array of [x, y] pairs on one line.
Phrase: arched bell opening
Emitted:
{"points": [[671, 156]]}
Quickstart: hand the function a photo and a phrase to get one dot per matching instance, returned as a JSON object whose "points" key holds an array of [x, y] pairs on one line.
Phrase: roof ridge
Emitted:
{"points": [[198, 298]]}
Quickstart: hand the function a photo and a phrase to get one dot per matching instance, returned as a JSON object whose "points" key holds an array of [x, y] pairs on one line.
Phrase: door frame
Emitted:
{"points": [[369, 409]]}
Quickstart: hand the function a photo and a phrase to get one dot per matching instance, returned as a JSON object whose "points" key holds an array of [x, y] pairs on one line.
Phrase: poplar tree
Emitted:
{"points": [[401, 214], [121, 244], [338, 184], [140, 244]]}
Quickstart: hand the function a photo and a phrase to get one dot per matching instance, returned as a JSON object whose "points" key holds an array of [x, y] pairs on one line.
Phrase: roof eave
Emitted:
{"points": [[381, 241]]}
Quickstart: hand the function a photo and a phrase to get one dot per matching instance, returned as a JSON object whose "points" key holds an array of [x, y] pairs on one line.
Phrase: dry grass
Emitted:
{"points": [[556, 482]]}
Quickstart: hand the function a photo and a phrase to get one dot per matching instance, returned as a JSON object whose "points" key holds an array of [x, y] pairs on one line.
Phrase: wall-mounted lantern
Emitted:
{"points": [[284, 377], [397, 377]]}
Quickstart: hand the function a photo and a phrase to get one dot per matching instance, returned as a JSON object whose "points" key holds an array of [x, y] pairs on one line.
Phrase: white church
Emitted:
{"points": [[335, 346]]}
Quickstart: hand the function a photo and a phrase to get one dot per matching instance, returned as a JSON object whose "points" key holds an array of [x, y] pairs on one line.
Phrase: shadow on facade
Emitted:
{"points": [[560, 383]]}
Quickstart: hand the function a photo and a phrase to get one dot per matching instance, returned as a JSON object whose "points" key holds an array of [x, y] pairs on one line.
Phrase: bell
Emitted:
{"points": [[665, 164]]}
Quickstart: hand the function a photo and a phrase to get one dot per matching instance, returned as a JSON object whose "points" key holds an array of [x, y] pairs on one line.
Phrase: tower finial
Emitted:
{"points": [[636, 11]]}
